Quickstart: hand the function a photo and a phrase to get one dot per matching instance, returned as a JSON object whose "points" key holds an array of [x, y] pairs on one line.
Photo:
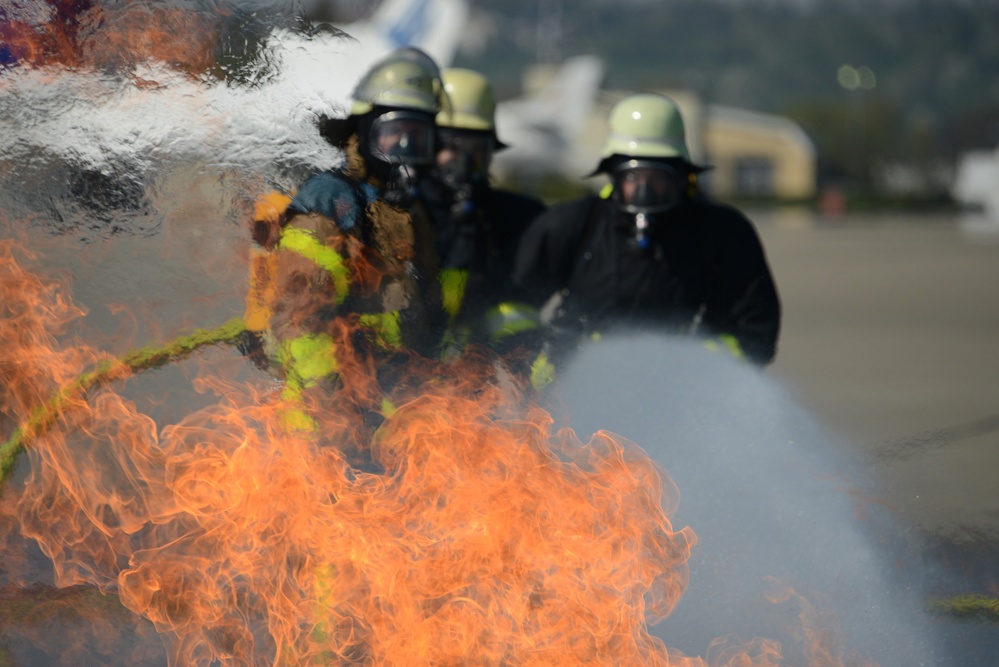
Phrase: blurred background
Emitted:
{"points": [[888, 102]]}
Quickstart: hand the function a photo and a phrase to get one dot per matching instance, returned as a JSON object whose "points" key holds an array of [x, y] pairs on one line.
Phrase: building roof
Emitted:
{"points": [[758, 122]]}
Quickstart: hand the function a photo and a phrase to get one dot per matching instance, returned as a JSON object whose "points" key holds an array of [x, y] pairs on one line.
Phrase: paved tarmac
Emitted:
{"points": [[891, 336]]}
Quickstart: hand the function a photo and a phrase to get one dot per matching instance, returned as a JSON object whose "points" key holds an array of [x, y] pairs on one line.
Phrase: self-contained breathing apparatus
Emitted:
{"points": [[398, 147], [645, 192], [392, 113], [466, 139], [646, 156]]}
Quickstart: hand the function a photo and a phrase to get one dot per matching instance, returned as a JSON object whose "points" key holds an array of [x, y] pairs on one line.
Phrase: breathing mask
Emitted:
{"points": [[463, 157], [644, 190], [400, 144]]}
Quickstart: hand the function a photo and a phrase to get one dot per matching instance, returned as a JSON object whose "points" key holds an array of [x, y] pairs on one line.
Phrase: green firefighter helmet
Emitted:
{"points": [[646, 126], [472, 102], [407, 78]]}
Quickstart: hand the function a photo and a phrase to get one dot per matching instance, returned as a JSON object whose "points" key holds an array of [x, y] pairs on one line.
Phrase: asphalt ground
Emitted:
{"points": [[891, 337]]}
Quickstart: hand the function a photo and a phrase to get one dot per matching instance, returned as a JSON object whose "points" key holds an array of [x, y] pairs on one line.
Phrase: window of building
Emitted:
{"points": [[754, 176]]}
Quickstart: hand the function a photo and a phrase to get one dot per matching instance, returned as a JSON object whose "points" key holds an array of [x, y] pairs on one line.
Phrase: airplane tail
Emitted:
{"points": [[548, 129], [571, 95]]}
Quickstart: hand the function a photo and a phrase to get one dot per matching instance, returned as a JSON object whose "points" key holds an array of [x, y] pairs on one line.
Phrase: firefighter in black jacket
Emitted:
{"points": [[650, 251], [477, 227]]}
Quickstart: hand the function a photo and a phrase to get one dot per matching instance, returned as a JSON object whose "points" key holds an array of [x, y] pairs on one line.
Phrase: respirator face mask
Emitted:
{"points": [[643, 190], [403, 142], [402, 137], [463, 157]]}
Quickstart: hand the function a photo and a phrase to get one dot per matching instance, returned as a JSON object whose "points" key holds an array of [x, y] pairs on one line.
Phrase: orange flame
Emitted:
{"points": [[136, 32], [33, 311], [820, 630], [473, 534], [482, 536], [123, 36]]}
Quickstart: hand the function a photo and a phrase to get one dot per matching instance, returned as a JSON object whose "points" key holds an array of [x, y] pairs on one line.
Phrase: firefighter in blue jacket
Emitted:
{"points": [[346, 269]]}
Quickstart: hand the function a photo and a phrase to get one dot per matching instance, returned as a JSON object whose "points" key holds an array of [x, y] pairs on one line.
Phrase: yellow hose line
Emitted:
{"points": [[135, 361], [968, 606]]}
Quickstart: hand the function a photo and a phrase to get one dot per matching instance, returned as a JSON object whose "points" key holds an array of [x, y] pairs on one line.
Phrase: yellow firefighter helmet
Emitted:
{"points": [[405, 79], [646, 126]]}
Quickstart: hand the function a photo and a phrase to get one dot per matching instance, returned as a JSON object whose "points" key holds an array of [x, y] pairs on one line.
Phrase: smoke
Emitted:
{"points": [[775, 499]]}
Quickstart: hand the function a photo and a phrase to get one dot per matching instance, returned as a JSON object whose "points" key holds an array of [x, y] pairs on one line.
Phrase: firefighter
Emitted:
{"points": [[650, 250], [345, 270], [477, 226]]}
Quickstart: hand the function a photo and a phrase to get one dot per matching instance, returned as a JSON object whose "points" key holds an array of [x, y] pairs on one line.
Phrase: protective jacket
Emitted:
{"points": [[477, 238], [703, 273], [341, 275]]}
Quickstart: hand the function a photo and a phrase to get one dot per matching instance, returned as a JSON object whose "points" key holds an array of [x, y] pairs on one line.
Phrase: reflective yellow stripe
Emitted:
{"points": [[296, 419], [453, 283], [324, 586], [727, 342], [509, 319], [607, 191], [293, 415], [387, 327], [388, 407], [307, 359], [305, 243], [732, 343], [542, 372]]}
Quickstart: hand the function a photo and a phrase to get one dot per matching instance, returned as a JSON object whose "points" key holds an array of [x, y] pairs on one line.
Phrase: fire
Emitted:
{"points": [[172, 35], [85, 34], [34, 311], [462, 529], [820, 634], [52, 41], [476, 533]]}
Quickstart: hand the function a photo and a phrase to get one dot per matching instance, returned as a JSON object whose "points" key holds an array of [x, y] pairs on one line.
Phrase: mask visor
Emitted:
{"points": [[644, 186], [402, 137], [463, 156]]}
